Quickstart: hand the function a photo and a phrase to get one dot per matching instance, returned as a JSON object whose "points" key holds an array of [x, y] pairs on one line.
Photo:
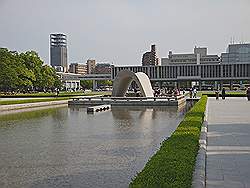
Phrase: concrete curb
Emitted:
{"points": [[199, 175], [31, 105]]}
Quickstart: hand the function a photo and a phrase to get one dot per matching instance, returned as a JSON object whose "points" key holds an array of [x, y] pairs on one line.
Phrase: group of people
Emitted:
{"points": [[193, 93], [174, 92], [166, 92], [223, 94]]}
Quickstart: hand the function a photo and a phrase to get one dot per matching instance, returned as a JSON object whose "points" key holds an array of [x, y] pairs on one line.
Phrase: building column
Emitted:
{"points": [[215, 84], [241, 85], [79, 85], [231, 85], [178, 84], [221, 85], [65, 84], [94, 85], [175, 84], [160, 84], [200, 83], [75, 85], [70, 85]]}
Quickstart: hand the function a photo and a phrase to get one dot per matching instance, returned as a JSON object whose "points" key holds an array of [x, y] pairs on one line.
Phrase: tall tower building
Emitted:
{"points": [[58, 51]]}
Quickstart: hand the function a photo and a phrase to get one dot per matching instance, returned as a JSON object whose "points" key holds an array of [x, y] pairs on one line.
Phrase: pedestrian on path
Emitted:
{"points": [[194, 92], [223, 93], [217, 94], [248, 93], [190, 93], [57, 92]]}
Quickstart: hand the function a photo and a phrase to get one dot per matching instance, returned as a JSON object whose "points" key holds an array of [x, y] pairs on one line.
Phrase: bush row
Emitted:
{"points": [[173, 164], [227, 95], [62, 94]]}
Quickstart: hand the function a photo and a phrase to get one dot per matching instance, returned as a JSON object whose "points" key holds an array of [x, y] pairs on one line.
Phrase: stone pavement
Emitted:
{"points": [[228, 148]]}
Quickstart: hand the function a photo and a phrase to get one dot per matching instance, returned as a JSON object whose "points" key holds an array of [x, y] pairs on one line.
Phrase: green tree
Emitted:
{"points": [[8, 76], [86, 84], [33, 62], [105, 82], [48, 78], [25, 71]]}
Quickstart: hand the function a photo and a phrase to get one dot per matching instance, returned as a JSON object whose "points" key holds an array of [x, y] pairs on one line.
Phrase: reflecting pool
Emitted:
{"points": [[66, 147]]}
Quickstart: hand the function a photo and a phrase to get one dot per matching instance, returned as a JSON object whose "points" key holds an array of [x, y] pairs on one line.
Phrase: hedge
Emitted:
{"points": [[61, 94], [227, 95], [173, 164]]}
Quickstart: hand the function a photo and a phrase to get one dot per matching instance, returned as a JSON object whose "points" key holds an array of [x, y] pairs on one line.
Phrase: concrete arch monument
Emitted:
{"points": [[124, 79]]}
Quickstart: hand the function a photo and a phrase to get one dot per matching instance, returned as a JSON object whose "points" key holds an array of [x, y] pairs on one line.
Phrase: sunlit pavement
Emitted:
{"points": [[228, 150]]}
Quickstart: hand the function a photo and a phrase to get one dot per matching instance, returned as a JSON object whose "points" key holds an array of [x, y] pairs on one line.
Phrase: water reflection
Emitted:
{"points": [[26, 114], [66, 147], [147, 113]]}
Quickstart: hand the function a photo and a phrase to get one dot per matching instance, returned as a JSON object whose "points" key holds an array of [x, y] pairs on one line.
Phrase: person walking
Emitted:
{"points": [[190, 93], [223, 93], [195, 92], [248, 93], [217, 94]]}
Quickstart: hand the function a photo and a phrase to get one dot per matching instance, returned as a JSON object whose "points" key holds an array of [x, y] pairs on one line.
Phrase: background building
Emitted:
{"points": [[184, 75], [199, 56], [102, 68], [150, 58], [236, 53], [78, 68], [91, 66], [58, 51]]}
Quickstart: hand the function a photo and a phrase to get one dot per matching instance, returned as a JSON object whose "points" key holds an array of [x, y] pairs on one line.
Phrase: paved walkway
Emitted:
{"points": [[228, 149]]}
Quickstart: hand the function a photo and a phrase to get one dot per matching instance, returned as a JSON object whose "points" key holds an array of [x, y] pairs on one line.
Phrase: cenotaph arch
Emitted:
{"points": [[125, 77]]}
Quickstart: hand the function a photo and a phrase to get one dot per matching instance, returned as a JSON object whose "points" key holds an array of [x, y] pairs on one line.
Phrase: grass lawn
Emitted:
{"points": [[62, 96], [173, 164], [32, 100]]}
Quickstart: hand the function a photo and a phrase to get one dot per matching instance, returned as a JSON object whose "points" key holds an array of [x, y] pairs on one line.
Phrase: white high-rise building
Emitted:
{"points": [[58, 51], [199, 56]]}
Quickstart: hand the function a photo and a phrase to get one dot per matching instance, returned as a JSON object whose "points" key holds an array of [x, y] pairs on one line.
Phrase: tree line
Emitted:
{"points": [[25, 72], [88, 84]]}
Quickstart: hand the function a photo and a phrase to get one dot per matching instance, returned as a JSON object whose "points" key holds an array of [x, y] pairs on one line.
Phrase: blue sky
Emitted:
{"points": [[119, 31]]}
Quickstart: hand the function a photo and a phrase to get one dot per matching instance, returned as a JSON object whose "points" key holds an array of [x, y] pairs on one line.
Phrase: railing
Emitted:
{"points": [[103, 99]]}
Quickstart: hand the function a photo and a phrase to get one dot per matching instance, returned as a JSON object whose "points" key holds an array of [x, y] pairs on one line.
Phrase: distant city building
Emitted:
{"points": [[91, 66], [236, 53], [59, 68], [70, 81], [58, 50], [78, 68], [150, 58], [102, 68], [199, 56]]}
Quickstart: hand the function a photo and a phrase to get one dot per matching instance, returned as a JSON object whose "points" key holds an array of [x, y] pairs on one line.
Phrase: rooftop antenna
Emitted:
{"points": [[242, 39]]}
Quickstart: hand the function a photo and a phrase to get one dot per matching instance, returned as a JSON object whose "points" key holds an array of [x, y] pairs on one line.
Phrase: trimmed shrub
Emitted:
{"points": [[173, 164]]}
